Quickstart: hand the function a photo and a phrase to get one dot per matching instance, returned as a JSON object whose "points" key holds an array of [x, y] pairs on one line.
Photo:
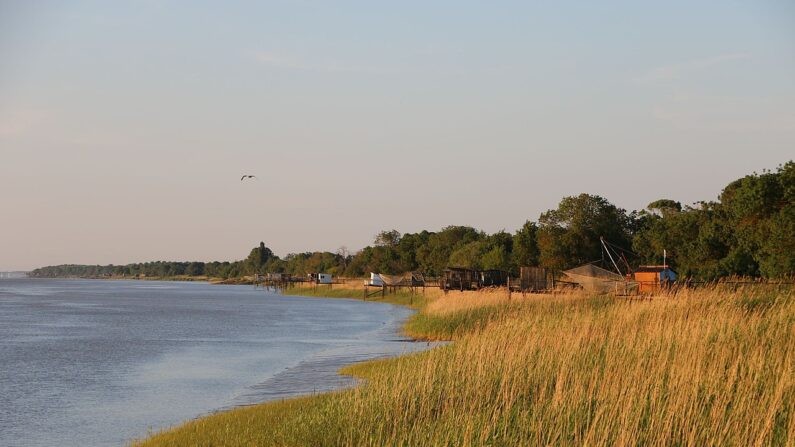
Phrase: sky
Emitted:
{"points": [[125, 126]]}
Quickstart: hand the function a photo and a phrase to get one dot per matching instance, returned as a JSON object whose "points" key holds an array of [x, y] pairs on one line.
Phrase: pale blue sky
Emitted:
{"points": [[125, 126]]}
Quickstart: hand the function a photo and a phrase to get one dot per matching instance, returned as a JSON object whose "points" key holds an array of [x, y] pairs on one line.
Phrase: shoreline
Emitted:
{"points": [[353, 371], [326, 367], [181, 278]]}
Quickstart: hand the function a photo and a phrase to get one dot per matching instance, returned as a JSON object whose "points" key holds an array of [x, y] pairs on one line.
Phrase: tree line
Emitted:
{"points": [[162, 269], [748, 231]]}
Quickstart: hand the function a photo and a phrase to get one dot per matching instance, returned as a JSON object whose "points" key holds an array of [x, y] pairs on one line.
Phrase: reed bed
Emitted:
{"points": [[702, 367], [455, 301]]}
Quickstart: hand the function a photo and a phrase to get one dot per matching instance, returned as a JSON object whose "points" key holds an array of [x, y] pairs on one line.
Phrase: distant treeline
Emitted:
{"points": [[748, 231], [156, 269]]}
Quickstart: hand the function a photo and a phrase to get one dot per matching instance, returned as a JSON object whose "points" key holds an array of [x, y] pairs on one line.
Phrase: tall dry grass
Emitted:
{"points": [[455, 301], [703, 367]]}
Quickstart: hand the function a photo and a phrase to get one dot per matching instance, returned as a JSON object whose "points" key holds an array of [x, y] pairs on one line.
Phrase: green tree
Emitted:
{"points": [[496, 251], [776, 255], [389, 238], [664, 207], [758, 209], [434, 256], [258, 257], [468, 255], [525, 246], [195, 269], [569, 235]]}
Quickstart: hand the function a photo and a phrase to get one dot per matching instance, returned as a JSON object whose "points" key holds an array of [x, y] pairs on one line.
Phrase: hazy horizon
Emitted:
{"points": [[125, 127]]}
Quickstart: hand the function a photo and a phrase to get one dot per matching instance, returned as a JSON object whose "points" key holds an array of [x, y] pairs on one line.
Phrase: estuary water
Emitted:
{"points": [[99, 363]]}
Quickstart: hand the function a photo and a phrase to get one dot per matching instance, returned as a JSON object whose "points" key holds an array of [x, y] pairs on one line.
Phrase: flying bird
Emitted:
{"points": [[247, 176]]}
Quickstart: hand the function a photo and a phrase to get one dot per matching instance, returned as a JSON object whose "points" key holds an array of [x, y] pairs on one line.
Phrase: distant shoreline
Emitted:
{"points": [[246, 280]]}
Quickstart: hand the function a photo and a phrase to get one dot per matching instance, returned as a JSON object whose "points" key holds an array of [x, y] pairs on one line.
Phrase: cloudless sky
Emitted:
{"points": [[125, 126]]}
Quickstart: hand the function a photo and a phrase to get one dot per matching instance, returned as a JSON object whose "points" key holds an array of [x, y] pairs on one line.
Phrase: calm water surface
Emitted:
{"points": [[95, 363]]}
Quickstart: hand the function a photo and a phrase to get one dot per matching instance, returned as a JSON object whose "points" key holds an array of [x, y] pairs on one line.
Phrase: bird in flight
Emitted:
{"points": [[247, 176]]}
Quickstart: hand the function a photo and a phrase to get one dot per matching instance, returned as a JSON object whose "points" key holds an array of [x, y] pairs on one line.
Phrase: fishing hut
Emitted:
{"points": [[493, 278], [275, 280], [459, 278], [383, 283], [651, 278], [536, 279], [319, 278]]}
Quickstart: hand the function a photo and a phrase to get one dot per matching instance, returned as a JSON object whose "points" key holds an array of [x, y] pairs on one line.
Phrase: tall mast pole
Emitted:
{"points": [[602, 240]]}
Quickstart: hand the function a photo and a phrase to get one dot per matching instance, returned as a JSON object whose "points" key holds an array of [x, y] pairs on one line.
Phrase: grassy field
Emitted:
{"points": [[705, 367], [354, 289]]}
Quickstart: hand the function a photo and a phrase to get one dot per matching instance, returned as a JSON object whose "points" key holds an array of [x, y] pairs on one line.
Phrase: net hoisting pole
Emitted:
{"points": [[604, 246]]}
